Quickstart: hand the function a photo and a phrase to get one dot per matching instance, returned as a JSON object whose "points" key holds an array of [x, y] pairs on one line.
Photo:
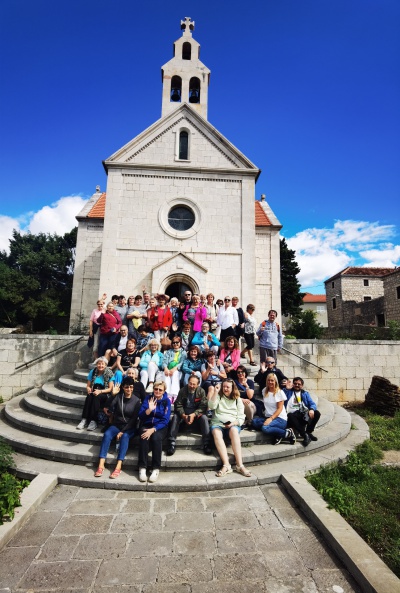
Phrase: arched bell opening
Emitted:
{"points": [[186, 51], [194, 90], [176, 89]]}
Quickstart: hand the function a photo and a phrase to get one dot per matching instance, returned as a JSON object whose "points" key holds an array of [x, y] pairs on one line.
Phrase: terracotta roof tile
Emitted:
{"points": [[261, 217], [98, 209], [314, 298], [362, 272]]}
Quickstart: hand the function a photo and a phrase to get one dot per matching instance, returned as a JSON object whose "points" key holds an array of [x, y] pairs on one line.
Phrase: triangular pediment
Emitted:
{"points": [[156, 146], [180, 258]]}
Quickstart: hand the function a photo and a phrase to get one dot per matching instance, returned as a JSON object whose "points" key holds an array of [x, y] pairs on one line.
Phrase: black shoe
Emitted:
{"points": [[291, 436], [171, 449], [312, 437], [277, 441], [306, 440], [207, 449]]}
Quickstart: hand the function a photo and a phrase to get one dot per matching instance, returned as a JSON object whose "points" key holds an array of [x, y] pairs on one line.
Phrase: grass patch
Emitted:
{"points": [[365, 493]]}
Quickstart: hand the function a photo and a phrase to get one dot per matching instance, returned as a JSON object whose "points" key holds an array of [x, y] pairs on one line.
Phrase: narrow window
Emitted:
{"points": [[367, 298], [398, 292], [186, 51], [184, 145], [333, 285], [194, 90], [366, 282], [333, 303], [176, 89]]}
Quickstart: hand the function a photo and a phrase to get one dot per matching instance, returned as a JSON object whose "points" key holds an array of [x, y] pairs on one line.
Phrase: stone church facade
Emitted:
{"points": [[179, 209]]}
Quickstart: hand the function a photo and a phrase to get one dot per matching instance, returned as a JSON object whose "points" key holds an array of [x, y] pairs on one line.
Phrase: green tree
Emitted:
{"points": [[291, 297], [305, 326], [36, 279]]}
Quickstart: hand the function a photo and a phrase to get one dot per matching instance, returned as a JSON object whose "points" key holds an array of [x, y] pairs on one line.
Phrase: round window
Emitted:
{"points": [[181, 218]]}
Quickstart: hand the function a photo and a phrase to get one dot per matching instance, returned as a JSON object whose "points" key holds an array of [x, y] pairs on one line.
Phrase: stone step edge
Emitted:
{"points": [[200, 481]]}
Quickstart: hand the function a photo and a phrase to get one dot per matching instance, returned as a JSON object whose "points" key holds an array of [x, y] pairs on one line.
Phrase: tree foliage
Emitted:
{"points": [[291, 297], [36, 279], [305, 326]]}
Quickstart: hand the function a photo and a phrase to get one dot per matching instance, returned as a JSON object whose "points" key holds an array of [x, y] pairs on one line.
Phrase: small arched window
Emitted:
{"points": [[194, 90], [176, 89], [183, 145], [186, 51]]}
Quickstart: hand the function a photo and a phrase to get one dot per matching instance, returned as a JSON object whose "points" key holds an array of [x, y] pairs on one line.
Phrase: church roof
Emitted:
{"points": [[99, 207], [362, 272]]}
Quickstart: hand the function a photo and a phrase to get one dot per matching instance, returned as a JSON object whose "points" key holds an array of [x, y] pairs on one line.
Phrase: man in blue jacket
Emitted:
{"points": [[301, 410], [270, 336]]}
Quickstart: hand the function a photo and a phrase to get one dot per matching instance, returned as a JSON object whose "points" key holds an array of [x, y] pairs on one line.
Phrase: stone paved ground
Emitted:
{"points": [[108, 541]]}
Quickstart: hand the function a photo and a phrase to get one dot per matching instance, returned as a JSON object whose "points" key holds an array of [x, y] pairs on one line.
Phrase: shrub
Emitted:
{"points": [[10, 486]]}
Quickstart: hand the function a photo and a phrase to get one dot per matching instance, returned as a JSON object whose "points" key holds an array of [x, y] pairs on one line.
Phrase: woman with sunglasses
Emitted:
{"points": [[246, 390], [150, 364], [124, 409], [274, 420], [227, 319], [230, 356], [154, 416], [196, 313], [228, 416], [172, 364], [192, 364]]}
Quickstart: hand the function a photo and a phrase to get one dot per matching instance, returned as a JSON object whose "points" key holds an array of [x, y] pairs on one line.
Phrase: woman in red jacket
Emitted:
{"points": [[159, 317]]}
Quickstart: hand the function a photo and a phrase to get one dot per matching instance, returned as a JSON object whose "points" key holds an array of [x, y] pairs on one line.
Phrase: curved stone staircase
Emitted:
{"points": [[41, 426]]}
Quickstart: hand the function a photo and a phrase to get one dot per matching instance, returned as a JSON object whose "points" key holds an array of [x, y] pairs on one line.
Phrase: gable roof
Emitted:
{"points": [[314, 298], [361, 272], [98, 209]]}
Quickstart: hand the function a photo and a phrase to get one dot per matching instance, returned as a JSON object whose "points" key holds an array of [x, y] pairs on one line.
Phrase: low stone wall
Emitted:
{"points": [[15, 350], [350, 366]]}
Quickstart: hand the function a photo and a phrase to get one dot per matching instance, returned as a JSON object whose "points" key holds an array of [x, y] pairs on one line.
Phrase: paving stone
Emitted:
{"points": [[231, 541], [98, 507], [240, 567], [189, 542], [299, 584], [59, 498], [37, 529], [83, 524], [236, 520], [14, 562], [59, 548], [130, 494], [276, 497], [229, 587], [119, 589], [140, 505], [185, 569], [150, 544], [53, 575], [267, 519], [311, 549], [290, 517], [188, 522], [224, 492], [129, 523], [227, 504], [194, 505], [94, 493], [186, 495], [164, 588], [164, 506], [277, 539], [327, 579], [280, 564], [125, 571], [97, 546]]}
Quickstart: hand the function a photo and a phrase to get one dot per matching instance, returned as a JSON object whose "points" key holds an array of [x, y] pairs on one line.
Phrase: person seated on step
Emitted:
{"points": [[186, 335], [191, 408], [172, 364], [138, 388], [129, 357], [154, 416], [212, 372], [192, 364], [206, 340], [150, 364], [230, 356], [227, 418], [266, 368], [119, 345], [301, 410], [246, 390], [274, 420], [144, 335], [100, 383], [124, 411]]}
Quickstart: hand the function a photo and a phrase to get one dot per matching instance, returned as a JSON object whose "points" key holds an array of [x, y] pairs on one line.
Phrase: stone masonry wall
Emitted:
{"points": [[351, 364], [392, 302], [18, 349]]}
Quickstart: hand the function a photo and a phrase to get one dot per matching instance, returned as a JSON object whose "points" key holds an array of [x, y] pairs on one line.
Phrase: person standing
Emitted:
{"points": [[270, 336], [228, 319]]}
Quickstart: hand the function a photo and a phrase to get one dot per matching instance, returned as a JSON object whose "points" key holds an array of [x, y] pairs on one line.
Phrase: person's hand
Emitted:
{"points": [[119, 435], [90, 334], [190, 418], [284, 382], [96, 392], [116, 388], [289, 384], [246, 401], [146, 434], [152, 404], [167, 372], [217, 387], [113, 330], [311, 414], [268, 421]]}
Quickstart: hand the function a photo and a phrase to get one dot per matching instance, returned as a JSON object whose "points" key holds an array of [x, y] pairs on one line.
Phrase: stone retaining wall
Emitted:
{"points": [[351, 364], [18, 349]]}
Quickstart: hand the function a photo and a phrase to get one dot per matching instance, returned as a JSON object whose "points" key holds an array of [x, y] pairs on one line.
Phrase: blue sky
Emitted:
{"points": [[309, 90]]}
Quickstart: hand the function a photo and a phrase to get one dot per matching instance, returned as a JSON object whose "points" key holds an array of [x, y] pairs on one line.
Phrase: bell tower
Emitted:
{"points": [[185, 79]]}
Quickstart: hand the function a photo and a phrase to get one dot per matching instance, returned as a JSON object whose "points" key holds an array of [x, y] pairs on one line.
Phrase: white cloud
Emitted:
{"points": [[321, 253], [57, 218]]}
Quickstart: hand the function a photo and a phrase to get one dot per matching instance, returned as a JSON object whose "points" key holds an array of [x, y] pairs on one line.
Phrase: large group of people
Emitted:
{"points": [[165, 364]]}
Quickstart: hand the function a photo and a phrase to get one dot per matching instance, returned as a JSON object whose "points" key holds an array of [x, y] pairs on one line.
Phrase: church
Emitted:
{"points": [[180, 209]]}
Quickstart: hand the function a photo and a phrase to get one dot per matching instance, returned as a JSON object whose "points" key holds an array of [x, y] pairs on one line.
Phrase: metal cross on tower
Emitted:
{"points": [[187, 24]]}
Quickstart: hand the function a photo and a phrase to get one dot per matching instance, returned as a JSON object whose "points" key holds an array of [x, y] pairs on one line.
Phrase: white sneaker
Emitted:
{"points": [[82, 424], [154, 475], [92, 425], [142, 475]]}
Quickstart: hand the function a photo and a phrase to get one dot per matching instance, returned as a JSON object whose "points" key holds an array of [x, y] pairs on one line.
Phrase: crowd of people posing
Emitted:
{"points": [[165, 365]]}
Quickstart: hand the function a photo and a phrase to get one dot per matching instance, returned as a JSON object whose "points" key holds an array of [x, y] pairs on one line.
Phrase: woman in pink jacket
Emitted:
{"points": [[230, 356], [196, 313]]}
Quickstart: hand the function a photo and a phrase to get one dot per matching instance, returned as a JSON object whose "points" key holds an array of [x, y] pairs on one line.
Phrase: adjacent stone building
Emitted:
{"points": [[317, 304], [391, 291], [179, 209]]}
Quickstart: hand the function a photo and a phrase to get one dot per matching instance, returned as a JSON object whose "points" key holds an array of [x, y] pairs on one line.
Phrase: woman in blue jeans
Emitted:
{"points": [[275, 417], [124, 410]]}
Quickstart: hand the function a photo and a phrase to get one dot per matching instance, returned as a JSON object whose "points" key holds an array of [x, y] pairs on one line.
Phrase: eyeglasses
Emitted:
{"points": [[297, 384], [174, 343], [227, 300], [158, 389], [128, 386], [270, 361], [240, 372]]}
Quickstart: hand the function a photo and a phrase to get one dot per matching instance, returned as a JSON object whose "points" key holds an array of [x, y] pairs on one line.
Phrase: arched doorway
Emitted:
{"points": [[176, 289]]}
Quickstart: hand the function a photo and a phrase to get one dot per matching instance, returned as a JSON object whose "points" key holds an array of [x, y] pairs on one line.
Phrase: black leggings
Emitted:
{"points": [[154, 443]]}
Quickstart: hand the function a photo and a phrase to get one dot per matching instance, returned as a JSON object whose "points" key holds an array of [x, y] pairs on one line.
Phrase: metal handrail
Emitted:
{"points": [[305, 360], [25, 364]]}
